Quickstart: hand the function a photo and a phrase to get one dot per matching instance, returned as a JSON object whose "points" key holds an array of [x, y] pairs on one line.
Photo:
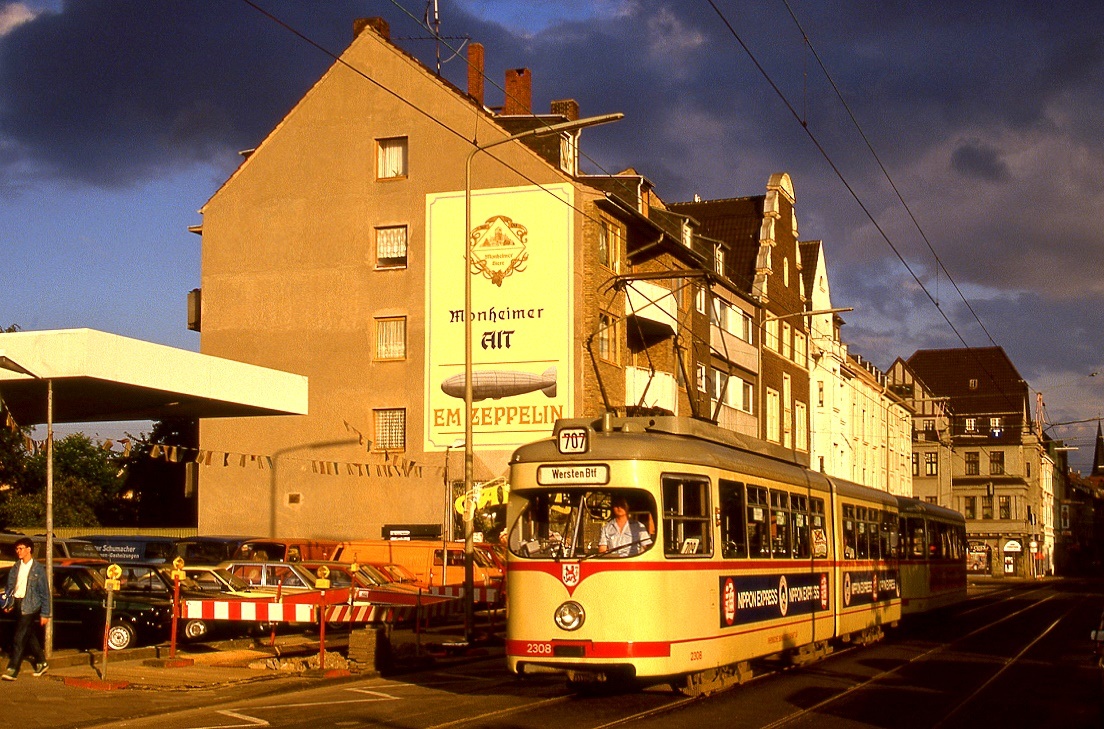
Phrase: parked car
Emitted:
{"points": [[424, 559], [214, 581], [210, 550], [156, 579], [286, 550], [79, 612], [368, 584], [285, 577]]}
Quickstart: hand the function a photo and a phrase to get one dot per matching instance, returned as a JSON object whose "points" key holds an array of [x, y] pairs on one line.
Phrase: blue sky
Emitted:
{"points": [[119, 118]]}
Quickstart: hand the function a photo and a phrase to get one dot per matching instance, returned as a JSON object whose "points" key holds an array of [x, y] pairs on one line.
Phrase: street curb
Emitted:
{"points": [[95, 684]]}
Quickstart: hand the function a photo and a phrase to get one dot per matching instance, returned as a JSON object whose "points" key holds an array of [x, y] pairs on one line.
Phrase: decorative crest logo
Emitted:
{"points": [[498, 248], [571, 574]]}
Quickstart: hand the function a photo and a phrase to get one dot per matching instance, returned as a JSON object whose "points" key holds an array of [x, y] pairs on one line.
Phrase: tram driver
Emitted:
{"points": [[623, 534]]}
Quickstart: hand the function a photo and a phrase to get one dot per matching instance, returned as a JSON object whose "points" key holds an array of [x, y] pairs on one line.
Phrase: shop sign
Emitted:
{"points": [[1013, 546]]}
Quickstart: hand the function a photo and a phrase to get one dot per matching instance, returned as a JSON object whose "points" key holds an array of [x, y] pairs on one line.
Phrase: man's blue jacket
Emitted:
{"points": [[37, 598]]}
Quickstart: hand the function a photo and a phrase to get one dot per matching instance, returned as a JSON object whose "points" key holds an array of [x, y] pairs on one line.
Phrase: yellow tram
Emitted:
{"points": [[667, 549]]}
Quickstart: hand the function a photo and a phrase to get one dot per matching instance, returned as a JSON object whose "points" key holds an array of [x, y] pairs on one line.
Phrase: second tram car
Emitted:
{"points": [[666, 549]]}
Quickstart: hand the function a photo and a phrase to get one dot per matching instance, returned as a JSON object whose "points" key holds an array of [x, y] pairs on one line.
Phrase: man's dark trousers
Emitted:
{"points": [[25, 639]]}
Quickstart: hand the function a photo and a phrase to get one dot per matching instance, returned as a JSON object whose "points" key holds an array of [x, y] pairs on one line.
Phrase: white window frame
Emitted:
{"points": [[702, 378], [773, 416], [801, 425], [772, 335]]}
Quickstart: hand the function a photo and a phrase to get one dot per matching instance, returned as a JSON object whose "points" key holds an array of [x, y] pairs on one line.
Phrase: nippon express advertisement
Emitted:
{"points": [[746, 599]]}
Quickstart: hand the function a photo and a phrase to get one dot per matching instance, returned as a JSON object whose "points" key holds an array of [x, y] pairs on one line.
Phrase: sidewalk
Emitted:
{"points": [[244, 660]]}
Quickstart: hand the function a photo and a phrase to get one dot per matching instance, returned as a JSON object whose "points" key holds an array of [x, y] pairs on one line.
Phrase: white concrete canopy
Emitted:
{"points": [[99, 377]]}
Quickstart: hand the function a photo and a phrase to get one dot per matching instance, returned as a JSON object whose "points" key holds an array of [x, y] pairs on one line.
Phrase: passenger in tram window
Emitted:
{"points": [[621, 534], [849, 539]]}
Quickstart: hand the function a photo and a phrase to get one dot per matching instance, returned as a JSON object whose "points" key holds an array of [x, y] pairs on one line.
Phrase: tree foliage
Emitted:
{"points": [[96, 486]]}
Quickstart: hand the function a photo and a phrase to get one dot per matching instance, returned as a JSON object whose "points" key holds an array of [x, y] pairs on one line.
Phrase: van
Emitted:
{"points": [[424, 559], [63, 548], [133, 548], [286, 550]]}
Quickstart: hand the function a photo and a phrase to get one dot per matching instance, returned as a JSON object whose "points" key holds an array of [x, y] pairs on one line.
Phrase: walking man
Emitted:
{"points": [[29, 595]]}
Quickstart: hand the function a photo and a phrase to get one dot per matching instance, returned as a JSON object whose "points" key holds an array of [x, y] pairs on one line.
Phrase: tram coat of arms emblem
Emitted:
{"points": [[570, 574], [498, 248]]}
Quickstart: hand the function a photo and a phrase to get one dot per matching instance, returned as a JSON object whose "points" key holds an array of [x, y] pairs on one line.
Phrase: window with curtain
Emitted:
{"points": [[391, 338], [391, 247], [391, 158], [390, 427]]}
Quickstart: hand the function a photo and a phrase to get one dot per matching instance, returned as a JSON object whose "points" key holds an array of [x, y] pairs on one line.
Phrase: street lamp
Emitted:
{"points": [[446, 518], [13, 366], [568, 126]]}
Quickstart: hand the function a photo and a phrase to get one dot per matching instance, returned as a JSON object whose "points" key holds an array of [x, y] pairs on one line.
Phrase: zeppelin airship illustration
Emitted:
{"points": [[497, 384]]}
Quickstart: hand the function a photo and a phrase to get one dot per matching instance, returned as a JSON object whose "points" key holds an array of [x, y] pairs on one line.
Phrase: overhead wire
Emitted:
{"points": [[885, 172], [850, 189]]}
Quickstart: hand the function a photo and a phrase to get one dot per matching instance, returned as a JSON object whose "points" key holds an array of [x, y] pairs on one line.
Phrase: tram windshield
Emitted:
{"points": [[578, 524]]}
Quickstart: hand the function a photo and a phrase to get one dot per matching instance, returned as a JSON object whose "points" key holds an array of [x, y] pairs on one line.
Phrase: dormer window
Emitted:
{"points": [[973, 384], [718, 260]]}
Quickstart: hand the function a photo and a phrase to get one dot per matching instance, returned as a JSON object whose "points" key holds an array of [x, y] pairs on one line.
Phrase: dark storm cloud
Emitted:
{"points": [[108, 92], [979, 160]]}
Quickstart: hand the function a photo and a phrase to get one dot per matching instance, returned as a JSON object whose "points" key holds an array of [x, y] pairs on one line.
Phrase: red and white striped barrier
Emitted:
{"points": [[266, 612], [358, 614]]}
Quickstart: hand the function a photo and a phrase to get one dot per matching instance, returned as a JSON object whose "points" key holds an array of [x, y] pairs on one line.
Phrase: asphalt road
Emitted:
{"points": [[1017, 654]]}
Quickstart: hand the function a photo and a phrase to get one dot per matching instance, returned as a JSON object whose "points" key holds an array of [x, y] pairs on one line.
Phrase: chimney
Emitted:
{"points": [[567, 108], [519, 92], [377, 24], [475, 72]]}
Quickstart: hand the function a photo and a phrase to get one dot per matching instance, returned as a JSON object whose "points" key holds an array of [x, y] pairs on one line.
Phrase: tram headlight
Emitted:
{"points": [[570, 615]]}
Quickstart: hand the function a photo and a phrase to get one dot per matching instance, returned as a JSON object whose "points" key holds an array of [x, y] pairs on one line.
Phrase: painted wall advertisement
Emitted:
{"points": [[522, 251]]}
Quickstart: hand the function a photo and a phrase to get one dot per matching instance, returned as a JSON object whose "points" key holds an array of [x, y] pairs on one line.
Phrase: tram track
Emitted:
{"points": [[946, 648]]}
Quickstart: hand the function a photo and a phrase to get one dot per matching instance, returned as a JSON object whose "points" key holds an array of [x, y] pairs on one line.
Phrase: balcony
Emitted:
{"points": [[659, 390], [734, 349], [651, 310]]}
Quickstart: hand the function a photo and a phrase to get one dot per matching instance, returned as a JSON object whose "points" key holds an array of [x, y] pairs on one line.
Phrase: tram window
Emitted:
{"points": [[687, 523], [569, 523], [819, 531], [850, 540], [733, 520], [757, 532], [888, 535], [862, 535], [914, 535], [936, 538], [874, 518], [799, 520], [780, 524]]}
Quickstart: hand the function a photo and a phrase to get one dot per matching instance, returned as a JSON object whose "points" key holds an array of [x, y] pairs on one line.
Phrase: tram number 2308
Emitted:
{"points": [[538, 649]]}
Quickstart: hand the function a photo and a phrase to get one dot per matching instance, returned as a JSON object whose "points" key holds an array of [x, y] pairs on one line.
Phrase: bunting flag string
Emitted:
{"points": [[394, 465]]}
